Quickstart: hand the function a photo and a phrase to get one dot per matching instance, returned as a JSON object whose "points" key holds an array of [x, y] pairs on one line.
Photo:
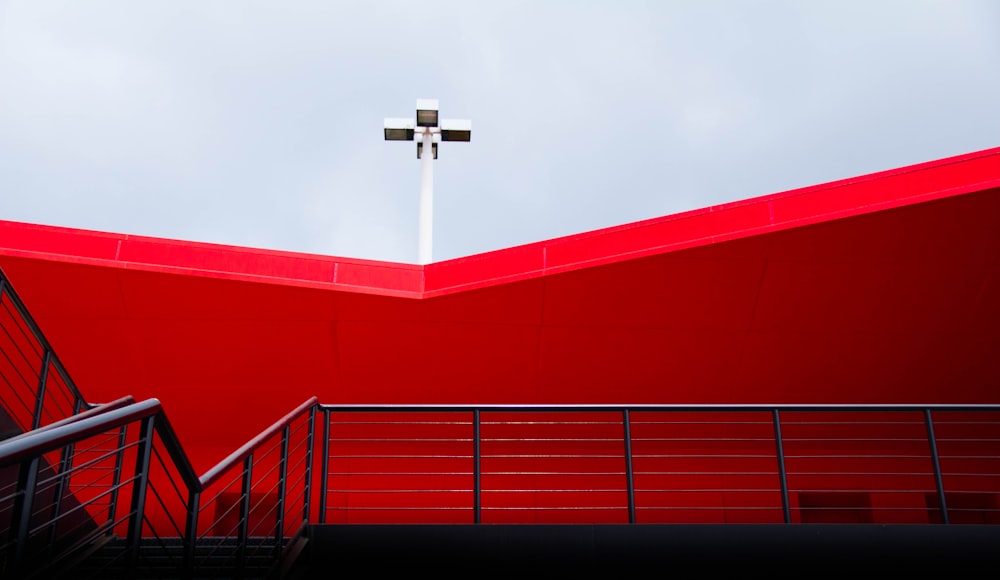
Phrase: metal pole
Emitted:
{"points": [[629, 479], [241, 532], [139, 485], [326, 466], [426, 197], [65, 463], [306, 503], [116, 475], [36, 421], [782, 476], [279, 532], [58, 492], [191, 531], [477, 470], [23, 504], [938, 480]]}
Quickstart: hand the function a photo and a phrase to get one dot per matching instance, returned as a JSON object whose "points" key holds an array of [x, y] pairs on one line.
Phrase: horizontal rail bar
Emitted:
{"points": [[249, 447], [643, 407], [38, 442], [92, 412]]}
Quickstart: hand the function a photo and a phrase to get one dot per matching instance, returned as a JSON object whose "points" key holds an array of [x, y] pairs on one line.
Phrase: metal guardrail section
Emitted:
{"points": [[109, 489], [111, 492], [34, 386], [661, 464], [259, 496]]}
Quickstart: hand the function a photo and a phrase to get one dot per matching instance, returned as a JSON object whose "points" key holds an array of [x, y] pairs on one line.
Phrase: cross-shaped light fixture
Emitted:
{"points": [[427, 127]]}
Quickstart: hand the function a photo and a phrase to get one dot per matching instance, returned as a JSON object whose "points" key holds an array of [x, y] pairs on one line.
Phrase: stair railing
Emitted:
{"points": [[245, 508], [59, 509]]}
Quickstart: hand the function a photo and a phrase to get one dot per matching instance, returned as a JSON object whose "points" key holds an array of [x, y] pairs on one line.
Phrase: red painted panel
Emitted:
{"points": [[153, 295], [227, 259], [516, 303], [896, 188], [613, 365], [475, 271], [59, 241], [739, 217], [395, 277], [65, 290], [388, 362], [668, 291], [676, 233]]}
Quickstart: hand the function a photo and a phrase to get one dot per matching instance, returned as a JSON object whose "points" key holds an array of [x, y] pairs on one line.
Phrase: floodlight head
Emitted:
{"points": [[398, 129], [427, 112], [456, 130], [420, 149]]}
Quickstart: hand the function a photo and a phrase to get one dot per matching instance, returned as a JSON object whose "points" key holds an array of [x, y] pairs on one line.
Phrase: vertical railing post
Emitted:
{"points": [[139, 483], [307, 491], [65, 463], [36, 420], [191, 531], [58, 490], [241, 533], [477, 486], [116, 474], [782, 475], [78, 403], [325, 465], [279, 532], [23, 505], [935, 460], [629, 479]]}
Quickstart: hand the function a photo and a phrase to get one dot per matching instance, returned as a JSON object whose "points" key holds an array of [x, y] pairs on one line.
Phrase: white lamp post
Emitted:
{"points": [[430, 132]]}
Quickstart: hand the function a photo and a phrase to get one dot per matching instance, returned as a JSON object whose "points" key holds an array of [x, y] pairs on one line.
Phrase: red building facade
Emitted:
{"points": [[700, 347]]}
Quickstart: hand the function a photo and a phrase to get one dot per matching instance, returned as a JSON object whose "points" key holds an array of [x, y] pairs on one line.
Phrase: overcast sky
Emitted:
{"points": [[260, 123]]}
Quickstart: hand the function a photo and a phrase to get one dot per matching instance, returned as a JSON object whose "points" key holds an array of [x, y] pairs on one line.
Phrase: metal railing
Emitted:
{"points": [[116, 478], [122, 497], [660, 464], [246, 507]]}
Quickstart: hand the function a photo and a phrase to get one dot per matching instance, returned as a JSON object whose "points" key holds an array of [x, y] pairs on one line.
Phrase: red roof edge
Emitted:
{"points": [[962, 174]]}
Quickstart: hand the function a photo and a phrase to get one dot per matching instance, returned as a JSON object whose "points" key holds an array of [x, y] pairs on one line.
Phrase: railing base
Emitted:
{"points": [[474, 550]]}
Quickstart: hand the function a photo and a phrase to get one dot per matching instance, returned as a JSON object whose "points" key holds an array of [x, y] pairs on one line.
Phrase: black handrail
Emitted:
{"points": [[617, 408], [249, 447], [91, 412], [38, 442]]}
